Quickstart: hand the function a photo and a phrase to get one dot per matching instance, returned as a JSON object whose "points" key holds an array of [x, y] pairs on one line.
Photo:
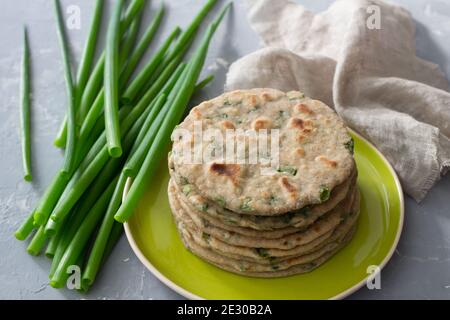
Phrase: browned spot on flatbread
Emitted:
{"points": [[305, 126], [267, 96], [301, 138], [328, 162], [226, 170], [228, 124], [297, 123], [286, 185], [197, 114], [252, 100], [300, 152], [303, 108], [261, 123]]}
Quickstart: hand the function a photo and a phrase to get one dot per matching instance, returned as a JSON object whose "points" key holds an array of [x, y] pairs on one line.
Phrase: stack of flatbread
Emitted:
{"points": [[263, 183]]}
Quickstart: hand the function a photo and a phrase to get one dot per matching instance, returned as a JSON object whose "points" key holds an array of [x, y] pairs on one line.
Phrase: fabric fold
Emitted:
{"points": [[371, 76]]}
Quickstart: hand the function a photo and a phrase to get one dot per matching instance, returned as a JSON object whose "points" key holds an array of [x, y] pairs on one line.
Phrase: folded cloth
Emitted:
{"points": [[358, 56]]}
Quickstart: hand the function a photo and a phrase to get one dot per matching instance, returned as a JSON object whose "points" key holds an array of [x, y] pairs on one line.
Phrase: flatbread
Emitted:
{"points": [[314, 153], [298, 219], [269, 234], [322, 226], [271, 256], [301, 264]]}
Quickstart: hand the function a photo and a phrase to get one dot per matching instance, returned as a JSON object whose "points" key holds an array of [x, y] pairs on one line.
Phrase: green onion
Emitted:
{"points": [[174, 115], [25, 109], [84, 68], [38, 242], [203, 83], [165, 64], [89, 52], [206, 236], [116, 232], [143, 77], [135, 161], [128, 43], [80, 263], [288, 169], [246, 205], [160, 83], [187, 189], [83, 206], [142, 145], [96, 79], [185, 40], [132, 11], [97, 107], [164, 91], [98, 249], [92, 115], [52, 227], [96, 133], [92, 88], [111, 83], [350, 145], [81, 237], [79, 185], [70, 228], [262, 252], [78, 210], [203, 207], [324, 193], [52, 245], [50, 198], [142, 45], [155, 107], [69, 157], [187, 35], [89, 170], [26, 228]]}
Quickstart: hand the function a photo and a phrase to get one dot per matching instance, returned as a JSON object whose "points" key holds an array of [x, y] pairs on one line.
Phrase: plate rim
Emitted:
{"points": [[189, 295]]}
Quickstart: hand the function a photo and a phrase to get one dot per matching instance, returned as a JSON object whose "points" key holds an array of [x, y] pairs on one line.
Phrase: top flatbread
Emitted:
{"points": [[298, 219], [314, 152]]}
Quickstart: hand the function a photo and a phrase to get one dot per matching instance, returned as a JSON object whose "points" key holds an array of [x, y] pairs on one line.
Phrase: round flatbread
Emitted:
{"points": [[206, 218], [306, 263], [262, 255], [315, 151], [275, 226], [322, 226]]}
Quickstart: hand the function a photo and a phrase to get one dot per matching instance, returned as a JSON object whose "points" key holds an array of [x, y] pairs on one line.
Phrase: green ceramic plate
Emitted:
{"points": [[153, 236]]}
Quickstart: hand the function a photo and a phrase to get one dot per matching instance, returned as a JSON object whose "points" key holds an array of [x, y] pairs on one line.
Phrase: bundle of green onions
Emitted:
{"points": [[116, 127]]}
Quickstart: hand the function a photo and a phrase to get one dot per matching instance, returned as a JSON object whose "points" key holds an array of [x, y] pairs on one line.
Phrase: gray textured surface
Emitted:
{"points": [[420, 268]]}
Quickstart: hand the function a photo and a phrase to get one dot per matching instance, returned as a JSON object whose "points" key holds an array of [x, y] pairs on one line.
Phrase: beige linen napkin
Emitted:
{"points": [[372, 77]]}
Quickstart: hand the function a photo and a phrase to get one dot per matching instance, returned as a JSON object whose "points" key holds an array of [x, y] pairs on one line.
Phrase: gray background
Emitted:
{"points": [[420, 267]]}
